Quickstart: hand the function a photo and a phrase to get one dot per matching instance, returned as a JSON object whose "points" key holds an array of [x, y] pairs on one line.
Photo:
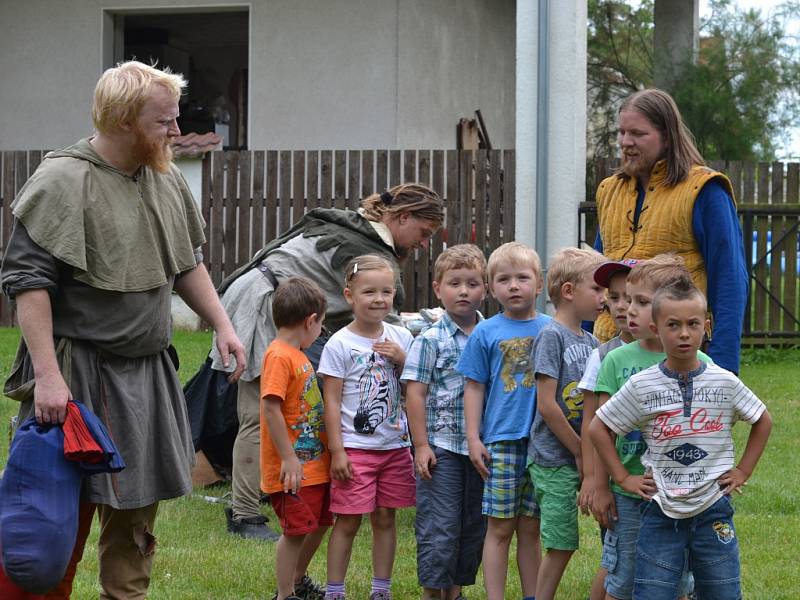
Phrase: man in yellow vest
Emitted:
{"points": [[665, 199]]}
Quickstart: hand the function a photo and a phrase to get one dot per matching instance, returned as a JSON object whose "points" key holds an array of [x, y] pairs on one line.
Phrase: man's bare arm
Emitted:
{"points": [[51, 394], [198, 292]]}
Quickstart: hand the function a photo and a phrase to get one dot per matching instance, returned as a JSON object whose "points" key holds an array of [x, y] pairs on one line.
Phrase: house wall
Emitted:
{"points": [[323, 74]]}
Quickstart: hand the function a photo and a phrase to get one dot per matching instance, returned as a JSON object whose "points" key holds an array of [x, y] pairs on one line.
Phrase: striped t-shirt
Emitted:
{"points": [[686, 421]]}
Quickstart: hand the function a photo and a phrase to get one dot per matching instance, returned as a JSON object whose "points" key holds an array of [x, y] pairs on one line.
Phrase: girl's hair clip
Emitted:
{"points": [[355, 269], [386, 198]]}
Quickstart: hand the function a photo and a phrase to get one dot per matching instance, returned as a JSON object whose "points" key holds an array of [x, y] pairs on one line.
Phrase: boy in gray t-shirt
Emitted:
{"points": [[559, 359], [559, 354]]}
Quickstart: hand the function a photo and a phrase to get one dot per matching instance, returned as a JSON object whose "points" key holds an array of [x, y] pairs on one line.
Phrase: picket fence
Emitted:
{"points": [[250, 197]]}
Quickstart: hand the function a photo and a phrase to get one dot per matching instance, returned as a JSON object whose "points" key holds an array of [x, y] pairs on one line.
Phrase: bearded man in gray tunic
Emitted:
{"points": [[104, 231]]}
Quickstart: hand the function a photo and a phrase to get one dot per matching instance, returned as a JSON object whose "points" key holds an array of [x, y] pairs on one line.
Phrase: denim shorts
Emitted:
{"points": [[619, 551], [619, 548], [713, 548], [449, 526], [508, 491]]}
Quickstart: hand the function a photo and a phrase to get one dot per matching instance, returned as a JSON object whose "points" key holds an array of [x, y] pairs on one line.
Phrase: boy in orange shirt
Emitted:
{"points": [[295, 463]]}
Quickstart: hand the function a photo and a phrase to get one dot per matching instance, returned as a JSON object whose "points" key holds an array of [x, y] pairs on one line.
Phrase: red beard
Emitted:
{"points": [[634, 168], [154, 153]]}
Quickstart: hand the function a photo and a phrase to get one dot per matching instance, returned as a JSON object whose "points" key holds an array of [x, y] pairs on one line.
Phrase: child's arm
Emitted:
{"points": [[604, 508], [587, 453], [332, 399], [554, 418], [473, 412], [393, 351], [603, 440], [424, 459], [291, 468], [733, 480]]}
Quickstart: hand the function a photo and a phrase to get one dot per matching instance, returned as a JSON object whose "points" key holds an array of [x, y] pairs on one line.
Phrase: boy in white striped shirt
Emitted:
{"points": [[685, 410]]}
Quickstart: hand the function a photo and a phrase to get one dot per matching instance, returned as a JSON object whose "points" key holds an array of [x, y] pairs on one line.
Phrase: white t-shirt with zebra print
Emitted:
{"points": [[373, 416]]}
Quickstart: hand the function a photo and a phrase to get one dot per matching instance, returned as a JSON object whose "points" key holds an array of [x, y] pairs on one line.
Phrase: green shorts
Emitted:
{"points": [[556, 493]]}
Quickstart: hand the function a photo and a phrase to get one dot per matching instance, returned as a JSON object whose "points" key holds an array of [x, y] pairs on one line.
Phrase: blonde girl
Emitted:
{"points": [[371, 467]]}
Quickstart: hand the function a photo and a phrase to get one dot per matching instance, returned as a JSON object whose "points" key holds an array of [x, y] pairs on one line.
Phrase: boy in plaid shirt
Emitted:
{"points": [[449, 524]]}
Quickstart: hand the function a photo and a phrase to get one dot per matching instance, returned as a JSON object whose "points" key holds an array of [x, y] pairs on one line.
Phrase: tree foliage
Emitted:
{"points": [[739, 99]]}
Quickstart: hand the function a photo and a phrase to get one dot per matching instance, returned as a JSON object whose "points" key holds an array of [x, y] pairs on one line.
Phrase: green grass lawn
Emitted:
{"points": [[197, 559]]}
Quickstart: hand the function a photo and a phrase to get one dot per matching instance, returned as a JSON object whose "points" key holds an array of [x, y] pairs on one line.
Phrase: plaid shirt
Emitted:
{"points": [[432, 359]]}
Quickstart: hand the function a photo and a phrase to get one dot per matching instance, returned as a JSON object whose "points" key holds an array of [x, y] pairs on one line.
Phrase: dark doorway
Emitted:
{"points": [[211, 50]]}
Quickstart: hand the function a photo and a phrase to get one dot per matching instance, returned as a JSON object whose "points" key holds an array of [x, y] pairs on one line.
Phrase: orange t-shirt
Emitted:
{"points": [[288, 374]]}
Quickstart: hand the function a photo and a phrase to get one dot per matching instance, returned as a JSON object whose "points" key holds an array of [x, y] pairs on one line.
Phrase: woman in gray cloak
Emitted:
{"points": [[319, 246]]}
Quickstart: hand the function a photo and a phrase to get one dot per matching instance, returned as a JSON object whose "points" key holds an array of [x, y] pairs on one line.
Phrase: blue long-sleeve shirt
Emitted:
{"points": [[719, 237]]}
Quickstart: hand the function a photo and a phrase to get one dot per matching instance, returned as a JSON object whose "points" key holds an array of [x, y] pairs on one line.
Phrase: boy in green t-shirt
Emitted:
{"points": [[616, 509], [613, 276]]}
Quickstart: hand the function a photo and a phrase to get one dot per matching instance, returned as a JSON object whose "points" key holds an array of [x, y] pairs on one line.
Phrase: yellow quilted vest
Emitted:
{"points": [[665, 222]]}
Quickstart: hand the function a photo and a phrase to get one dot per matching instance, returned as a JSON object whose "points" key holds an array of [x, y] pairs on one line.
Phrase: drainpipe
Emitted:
{"points": [[531, 127], [542, 143], [526, 125]]}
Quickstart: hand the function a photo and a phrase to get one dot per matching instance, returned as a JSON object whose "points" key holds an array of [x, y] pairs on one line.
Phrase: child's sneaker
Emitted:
{"points": [[308, 589], [380, 596]]}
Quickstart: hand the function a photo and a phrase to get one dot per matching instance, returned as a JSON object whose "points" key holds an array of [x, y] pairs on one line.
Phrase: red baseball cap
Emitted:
{"points": [[604, 273]]}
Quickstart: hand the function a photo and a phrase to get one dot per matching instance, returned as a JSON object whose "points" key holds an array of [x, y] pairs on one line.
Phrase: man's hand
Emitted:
{"points": [[732, 481], [50, 397], [641, 485], [228, 343], [291, 475], [424, 461], [341, 468], [604, 508], [480, 457]]}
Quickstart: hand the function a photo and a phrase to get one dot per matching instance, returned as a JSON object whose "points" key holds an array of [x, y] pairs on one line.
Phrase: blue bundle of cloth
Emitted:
{"points": [[40, 494]]}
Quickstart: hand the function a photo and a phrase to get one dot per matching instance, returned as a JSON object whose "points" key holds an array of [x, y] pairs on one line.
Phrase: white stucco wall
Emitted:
{"points": [[455, 56], [566, 122], [565, 146], [323, 74], [192, 169]]}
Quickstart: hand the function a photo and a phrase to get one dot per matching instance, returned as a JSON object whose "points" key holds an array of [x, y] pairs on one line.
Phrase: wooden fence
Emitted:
{"points": [[15, 168], [768, 203], [250, 197]]}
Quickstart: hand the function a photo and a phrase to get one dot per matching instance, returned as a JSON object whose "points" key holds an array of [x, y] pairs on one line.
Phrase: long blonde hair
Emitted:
{"points": [[414, 199], [658, 107]]}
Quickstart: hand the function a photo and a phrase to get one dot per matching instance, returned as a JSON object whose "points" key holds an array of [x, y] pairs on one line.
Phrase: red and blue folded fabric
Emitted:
{"points": [[40, 493], [86, 441]]}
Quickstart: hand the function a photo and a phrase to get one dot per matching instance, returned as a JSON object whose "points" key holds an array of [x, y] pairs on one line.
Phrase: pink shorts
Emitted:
{"points": [[381, 478]]}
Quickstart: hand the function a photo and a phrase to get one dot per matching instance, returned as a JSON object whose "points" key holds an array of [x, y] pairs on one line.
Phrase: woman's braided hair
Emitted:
{"points": [[415, 199]]}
